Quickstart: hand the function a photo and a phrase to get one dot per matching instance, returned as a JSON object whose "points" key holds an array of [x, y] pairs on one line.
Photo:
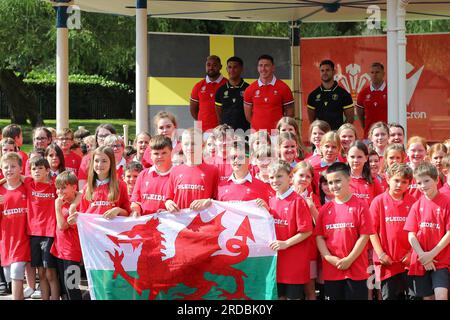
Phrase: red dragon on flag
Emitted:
{"points": [[196, 248]]}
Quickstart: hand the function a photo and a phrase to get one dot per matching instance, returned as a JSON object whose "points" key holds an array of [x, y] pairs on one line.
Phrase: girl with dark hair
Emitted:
{"points": [[362, 184], [55, 158]]}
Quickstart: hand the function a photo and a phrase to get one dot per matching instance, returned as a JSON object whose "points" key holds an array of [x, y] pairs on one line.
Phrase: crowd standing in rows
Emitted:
{"points": [[342, 206]]}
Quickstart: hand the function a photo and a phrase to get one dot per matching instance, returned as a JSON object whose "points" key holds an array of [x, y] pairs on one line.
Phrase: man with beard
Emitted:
{"points": [[202, 101], [330, 102]]}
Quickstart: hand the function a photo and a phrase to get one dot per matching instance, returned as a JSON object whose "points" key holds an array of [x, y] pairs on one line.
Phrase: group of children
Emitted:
{"points": [[341, 208]]}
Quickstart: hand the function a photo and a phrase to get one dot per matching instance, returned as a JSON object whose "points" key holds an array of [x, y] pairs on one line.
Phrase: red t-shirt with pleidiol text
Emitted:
{"points": [[225, 169], [430, 220], [291, 216], [341, 225], [247, 191], [41, 208], [150, 191], [14, 240], [66, 245], [187, 184], [365, 190], [389, 217], [100, 202]]}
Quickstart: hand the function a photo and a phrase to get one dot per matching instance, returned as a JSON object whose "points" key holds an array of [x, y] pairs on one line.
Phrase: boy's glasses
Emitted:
{"points": [[41, 138]]}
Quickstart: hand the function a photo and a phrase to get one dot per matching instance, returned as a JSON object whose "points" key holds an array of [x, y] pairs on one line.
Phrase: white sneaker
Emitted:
{"points": [[27, 292], [36, 294]]}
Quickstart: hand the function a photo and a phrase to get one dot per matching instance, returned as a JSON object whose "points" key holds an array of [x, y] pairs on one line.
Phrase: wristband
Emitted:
{"points": [[382, 255]]}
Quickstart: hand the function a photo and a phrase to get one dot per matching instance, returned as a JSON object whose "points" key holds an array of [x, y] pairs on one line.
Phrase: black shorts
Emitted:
{"points": [[423, 286], [291, 291], [397, 287], [347, 289], [69, 273], [40, 252]]}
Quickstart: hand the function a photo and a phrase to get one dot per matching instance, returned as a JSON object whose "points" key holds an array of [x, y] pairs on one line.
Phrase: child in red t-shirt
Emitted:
{"points": [[14, 131], [330, 147], [64, 140], [103, 193], [446, 172], [41, 194], [289, 149], [14, 240], [66, 247], [317, 130], [436, 154], [342, 233], [379, 136], [262, 158], [392, 249], [55, 158], [362, 184], [416, 150], [192, 184], [149, 193], [223, 138], [302, 176], [293, 227], [141, 143], [116, 143], [257, 140], [132, 171], [394, 153], [428, 224], [101, 132], [241, 185], [210, 150], [165, 123], [289, 124], [347, 135]]}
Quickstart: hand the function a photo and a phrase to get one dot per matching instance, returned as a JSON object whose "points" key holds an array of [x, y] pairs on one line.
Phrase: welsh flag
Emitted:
{"points": [[219, 253]]}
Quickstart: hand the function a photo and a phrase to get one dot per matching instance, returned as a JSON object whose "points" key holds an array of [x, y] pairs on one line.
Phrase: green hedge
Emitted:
{"points": [[90, 96]]}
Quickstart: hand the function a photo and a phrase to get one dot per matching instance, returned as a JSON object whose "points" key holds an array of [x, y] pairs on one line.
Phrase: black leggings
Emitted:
{"points": [[69, 273]]}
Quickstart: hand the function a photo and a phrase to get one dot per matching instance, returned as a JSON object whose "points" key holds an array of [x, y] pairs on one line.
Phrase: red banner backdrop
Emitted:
{"points": [[428, 76]]}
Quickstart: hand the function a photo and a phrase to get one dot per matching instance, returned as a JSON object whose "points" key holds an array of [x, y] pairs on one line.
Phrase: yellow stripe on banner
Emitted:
{"points": [[168, 91], [222, 46], [165, 91]]}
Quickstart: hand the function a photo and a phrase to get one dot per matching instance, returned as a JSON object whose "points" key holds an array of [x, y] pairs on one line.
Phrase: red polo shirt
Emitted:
{"points": [[204, 92], [374, 103], [267, 103]]}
